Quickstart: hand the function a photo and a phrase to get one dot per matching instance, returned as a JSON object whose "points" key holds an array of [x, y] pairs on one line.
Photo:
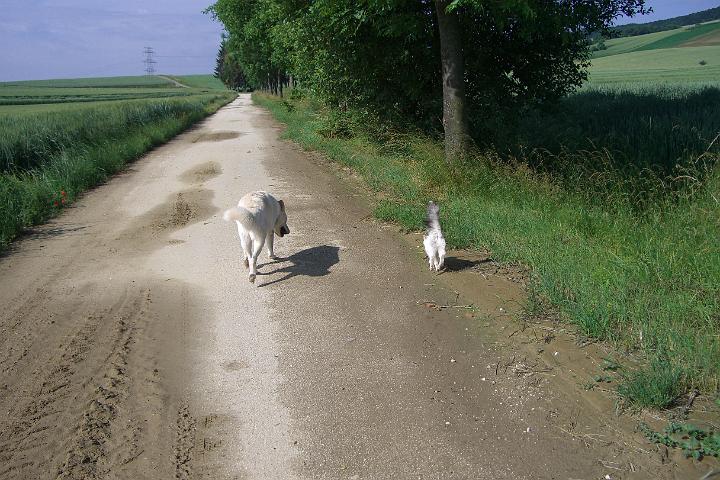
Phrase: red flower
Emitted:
{"points": [[62, 201], [55, 203], [62, 193]]}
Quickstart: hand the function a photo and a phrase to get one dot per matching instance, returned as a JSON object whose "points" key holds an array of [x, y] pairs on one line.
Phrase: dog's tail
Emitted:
{"points": [[432, 220], [238, 214]]}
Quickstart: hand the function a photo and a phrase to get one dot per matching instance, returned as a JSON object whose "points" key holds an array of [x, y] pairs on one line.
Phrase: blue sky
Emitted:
{"points": [[92, 38], [42, 39]]}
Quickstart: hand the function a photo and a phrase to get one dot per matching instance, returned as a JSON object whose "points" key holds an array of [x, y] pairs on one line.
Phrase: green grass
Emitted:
{"points": [[646, 282], [73, 143], [677, 65]]}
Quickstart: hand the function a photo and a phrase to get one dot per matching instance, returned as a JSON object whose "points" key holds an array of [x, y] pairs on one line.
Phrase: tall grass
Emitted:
{"points": [[45, 154], [646, 280], [28, 141], [639, 142]]}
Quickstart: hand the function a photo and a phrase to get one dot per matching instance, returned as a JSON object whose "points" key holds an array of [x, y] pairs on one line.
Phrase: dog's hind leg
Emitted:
{"points": [[257, 246], [245, 242]]}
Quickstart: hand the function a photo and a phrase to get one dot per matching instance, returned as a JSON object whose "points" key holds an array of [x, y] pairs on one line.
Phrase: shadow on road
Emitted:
{"points": [[311, 262], [455, 264]]}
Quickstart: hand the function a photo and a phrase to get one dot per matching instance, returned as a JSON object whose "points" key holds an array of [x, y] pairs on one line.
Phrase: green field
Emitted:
{"points": [[659, 40], [201, 81], [100, 89], [668, 65], [124, 82], [58, 138]]}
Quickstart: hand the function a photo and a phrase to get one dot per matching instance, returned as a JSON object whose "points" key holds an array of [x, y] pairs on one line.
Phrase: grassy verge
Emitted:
{"points": [[647, 282], [74, 152]]}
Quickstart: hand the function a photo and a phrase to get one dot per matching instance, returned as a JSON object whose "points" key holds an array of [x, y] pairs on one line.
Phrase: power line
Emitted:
{"points": [[149, 60]]}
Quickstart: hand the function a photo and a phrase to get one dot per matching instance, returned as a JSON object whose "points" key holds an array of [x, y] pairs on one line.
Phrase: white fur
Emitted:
{"points": [[259, 216], [434, 241]]}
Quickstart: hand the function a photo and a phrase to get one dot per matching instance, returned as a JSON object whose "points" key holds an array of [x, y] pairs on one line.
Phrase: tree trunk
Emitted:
{"points": [[280, 84], [453, 76]]}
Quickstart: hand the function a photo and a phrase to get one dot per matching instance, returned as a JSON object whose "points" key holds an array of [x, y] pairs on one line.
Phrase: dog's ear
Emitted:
{"points": [[282, 205]]}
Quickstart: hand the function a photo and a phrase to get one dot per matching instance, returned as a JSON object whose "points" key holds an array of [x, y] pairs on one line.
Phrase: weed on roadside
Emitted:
{"points": [[695, 442]]}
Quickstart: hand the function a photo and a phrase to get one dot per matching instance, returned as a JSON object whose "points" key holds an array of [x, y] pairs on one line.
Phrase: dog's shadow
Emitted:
{"points": [[311, 262], [455, 264]]}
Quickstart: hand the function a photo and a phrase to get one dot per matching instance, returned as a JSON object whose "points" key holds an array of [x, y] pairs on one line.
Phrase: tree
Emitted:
{"points": [[453, 81], [538, 47], [220, 60], [460, 66]]}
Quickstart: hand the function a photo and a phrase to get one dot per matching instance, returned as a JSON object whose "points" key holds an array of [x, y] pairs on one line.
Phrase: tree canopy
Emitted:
{"points": [[385, 55]]}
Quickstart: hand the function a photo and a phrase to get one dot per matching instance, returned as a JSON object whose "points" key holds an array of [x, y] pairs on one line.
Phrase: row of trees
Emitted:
{"points": [[452, 63]]}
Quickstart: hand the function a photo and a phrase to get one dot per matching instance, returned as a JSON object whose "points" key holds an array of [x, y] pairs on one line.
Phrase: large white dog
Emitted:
{"points": [[259, 216]]}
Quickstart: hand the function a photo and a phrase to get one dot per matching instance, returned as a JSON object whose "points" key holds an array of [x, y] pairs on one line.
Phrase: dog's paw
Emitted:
{"points": [[252, 278]]}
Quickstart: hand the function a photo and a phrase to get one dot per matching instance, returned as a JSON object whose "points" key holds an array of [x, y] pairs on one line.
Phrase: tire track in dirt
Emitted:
{"points": [[64, 394], [89, 445], [184, 443]]}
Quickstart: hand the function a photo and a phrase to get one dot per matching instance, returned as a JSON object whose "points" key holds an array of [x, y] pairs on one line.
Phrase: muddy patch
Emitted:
{"points": [[201, 173], [217, 136], [178, 211], [481, 263]]}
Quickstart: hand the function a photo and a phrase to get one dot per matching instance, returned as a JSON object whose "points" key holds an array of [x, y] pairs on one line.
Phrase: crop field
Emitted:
{"points": [[691, 36], [89, 90], [677, 65], [68, 135], [100, 82]]}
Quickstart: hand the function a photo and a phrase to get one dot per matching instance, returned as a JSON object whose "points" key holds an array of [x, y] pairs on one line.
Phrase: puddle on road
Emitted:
{"points": [[178, 211], [201, 173], [217, 136]]}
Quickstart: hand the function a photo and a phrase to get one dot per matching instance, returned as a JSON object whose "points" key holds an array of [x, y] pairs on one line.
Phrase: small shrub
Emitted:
{"points": [[288, 106], [337, 125], [296, 93], [703, 62]]}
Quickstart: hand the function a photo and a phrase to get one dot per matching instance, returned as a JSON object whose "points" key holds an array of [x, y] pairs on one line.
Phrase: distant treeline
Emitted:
{"points": [[634, 29]]}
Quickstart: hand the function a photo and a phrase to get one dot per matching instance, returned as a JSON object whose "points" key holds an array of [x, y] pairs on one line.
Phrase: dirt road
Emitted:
{"points": [[132, 345]]}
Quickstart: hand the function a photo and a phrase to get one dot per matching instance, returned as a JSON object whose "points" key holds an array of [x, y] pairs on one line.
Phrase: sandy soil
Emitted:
{"points": [[132, 345]]}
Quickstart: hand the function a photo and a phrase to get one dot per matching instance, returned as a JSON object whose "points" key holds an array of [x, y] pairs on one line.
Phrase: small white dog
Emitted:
{"points": [[434, 241], [259, 216]]}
